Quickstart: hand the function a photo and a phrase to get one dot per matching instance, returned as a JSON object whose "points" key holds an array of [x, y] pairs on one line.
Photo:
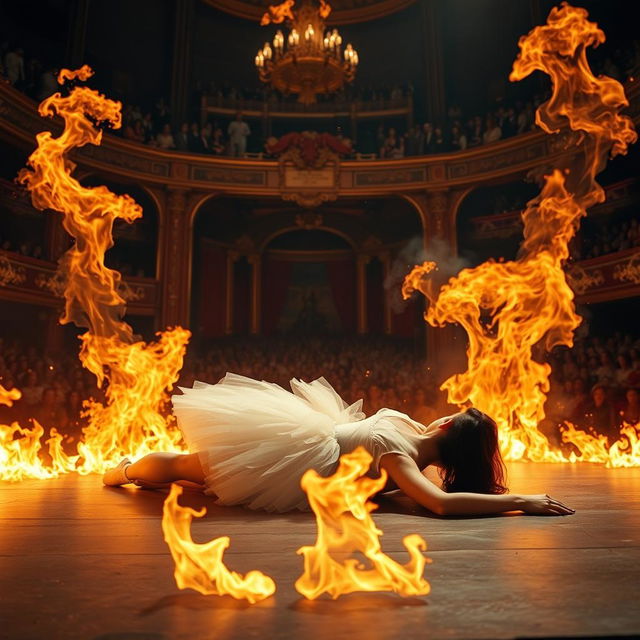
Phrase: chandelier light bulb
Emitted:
{"points": [[307, 58]]}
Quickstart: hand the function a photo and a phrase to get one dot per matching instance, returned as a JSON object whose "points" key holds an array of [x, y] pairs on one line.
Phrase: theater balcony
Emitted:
{"points": [[176, 186]]}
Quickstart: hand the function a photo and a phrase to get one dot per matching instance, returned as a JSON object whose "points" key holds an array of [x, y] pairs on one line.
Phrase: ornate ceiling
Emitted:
{"points": [[344, 11]]}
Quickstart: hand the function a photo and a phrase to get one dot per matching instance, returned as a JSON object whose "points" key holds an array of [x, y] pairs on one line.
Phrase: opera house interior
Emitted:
{"points": [[432, 205]]}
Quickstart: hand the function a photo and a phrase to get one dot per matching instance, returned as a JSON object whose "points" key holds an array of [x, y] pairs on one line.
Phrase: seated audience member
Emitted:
{"points": [[624, 372], [630, 412], [439, 141], [393, 147], [164, 139], [605, 373], [195, 141], [428, 139], [205, 138], [49, 413], [476, 132], [134, 132], [218, 146], [458, 139], [31, 389], [493, 132], [182, 137], [420, 411], [599, 416]]}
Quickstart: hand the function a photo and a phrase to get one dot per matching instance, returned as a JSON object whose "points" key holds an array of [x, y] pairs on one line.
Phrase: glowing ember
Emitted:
{"points": [[133, 419], [200, 566], [345, 525], [507, 308]]}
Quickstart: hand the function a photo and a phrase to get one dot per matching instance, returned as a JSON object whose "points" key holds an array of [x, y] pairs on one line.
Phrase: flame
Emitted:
{"points": [[343, 516], [135, 375], [277, 14], [508, 309], [324, 9], [200, 566], [415, 280], [9, 396]]}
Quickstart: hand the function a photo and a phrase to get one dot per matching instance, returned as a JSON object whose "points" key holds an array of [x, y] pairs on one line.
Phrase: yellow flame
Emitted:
{"points": [[345, 525], [134, 419], [277, 14], [9, 396], [509, 308], [200, 566]]}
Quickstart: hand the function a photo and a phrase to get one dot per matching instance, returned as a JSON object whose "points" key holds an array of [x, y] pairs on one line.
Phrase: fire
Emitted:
{"points": [[416, 279], [345, 525], [200, 566], [9, 396], [509, 309], [135, 375], [277, 14], [20, 448]]}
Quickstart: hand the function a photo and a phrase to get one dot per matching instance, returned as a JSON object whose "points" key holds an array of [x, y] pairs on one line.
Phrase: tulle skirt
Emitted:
{"points": [[255, 439]]}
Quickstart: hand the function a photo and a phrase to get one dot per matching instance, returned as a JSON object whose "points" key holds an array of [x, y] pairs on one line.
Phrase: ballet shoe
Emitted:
{"points": [[118, 475]]}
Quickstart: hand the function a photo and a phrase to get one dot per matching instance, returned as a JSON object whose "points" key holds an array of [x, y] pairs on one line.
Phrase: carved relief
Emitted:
{"points": [[309, 220], [629, 270], [581, 281], [10, 273], [389, 177]]}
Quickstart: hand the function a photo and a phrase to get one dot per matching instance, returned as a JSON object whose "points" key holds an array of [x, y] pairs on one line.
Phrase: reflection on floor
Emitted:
{"points": [[82, 561]]}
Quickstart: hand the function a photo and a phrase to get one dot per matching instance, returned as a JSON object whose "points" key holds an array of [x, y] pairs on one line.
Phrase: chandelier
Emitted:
{"points": [[310, 60]]}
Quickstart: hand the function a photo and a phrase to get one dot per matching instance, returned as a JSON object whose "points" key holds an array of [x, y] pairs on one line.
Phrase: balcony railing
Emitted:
{"points": [[35, 281]]}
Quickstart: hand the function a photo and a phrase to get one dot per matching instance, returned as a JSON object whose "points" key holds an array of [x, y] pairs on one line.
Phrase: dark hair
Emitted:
{"points": [[470, 455]]}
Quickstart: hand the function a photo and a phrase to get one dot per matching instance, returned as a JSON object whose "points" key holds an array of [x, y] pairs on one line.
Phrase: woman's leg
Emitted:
{"points": [[166, 467], [157, 469]]}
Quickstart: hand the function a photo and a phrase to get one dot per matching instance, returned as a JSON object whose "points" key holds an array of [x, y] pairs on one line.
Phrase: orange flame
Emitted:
{"points": [[9, 396], [415, 280], [132, 421], [343, 516], [277, 14], [200, 566], [324, 10], [508, 308]]}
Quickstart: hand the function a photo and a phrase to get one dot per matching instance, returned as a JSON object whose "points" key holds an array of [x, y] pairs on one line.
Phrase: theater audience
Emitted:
{"points": [[182, 137], [164, 139]]}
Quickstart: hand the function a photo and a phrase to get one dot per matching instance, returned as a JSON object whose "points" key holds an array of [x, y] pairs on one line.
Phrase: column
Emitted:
{"points": [[175, 263], [385, 258], [255, 260], [442, 342], [181, 64], [434, 67], [361, 288], [232, 256], [77, 36]]}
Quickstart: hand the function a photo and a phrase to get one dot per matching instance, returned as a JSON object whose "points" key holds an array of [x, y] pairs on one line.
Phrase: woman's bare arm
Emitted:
{"points": [[406, 474]]}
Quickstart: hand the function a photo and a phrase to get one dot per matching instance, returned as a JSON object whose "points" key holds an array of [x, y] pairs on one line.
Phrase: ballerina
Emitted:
{"points": [[251, 441]]}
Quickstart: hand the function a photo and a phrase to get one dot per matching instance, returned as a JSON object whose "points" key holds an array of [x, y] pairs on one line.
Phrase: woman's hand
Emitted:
{"points": [[544, 505]]}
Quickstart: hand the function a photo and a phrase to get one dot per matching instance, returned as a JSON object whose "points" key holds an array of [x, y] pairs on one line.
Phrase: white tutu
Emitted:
{"points": [[255, 440]]}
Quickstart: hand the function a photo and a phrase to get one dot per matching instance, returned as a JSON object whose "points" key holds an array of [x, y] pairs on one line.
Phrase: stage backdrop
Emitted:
{"points": [[301, 296]]}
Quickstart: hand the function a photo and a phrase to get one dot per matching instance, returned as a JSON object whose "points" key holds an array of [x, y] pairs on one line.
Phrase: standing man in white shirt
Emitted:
{"points": [[238, 132]]}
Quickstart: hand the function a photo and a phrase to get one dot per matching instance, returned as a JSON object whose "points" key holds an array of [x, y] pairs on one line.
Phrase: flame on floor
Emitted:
{"points": [[343, 515], [201, 566]]}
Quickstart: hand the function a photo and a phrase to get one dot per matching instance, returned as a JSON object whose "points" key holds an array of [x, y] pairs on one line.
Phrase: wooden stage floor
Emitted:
{"points": [[83, 561]]}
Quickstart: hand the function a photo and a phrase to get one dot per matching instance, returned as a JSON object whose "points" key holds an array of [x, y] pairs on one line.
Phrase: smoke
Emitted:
{"points": [[414, 253]]}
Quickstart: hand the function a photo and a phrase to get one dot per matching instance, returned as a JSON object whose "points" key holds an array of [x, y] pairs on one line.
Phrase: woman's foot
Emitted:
{"points": [[118, 475]]}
